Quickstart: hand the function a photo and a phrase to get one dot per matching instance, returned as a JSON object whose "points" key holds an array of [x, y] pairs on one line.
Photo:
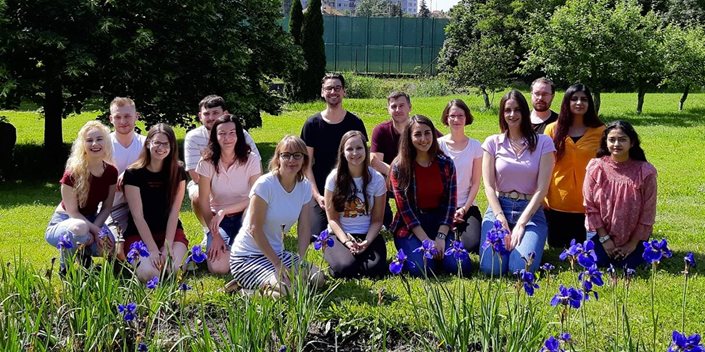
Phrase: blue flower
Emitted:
{"points": [[142, 347], [184, 287], [682, 343], [65, 242], [428, 248], [565, 337], [551, 345], [323, 240], [282, 349], [689, 260], [457, 250], [495, 239], [589, 277], [137, 250], [629, 273], [527, 278], [583, 253], [567, 296], [547, 267], [152, 284], [197, 254], [655, 250], [127, 311], [104, 233], [397, 263]]}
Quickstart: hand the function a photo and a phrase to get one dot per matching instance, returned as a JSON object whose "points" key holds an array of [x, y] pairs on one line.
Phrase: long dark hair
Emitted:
{"points": [[213, 151], [407, 152], [635, 151], [565, 118], [525, 125], [344, 184], [171, 163]]}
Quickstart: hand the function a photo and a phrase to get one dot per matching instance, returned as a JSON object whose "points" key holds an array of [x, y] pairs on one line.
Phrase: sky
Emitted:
{"points": [[440, 4]]}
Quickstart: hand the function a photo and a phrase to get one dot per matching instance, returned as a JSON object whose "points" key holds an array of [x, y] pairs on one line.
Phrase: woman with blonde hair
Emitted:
{"points": [[88, 183]]}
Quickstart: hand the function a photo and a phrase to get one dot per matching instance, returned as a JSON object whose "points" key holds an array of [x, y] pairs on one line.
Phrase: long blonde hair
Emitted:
{"points": [[77, 165]]}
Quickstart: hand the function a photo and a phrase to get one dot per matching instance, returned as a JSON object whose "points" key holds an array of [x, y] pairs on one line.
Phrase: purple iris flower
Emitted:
{"points": [[184, 287], [428, 248], [323, 240], [591, 276], [104, 233], [565, 337], [583, 253], [127, 311], [397, 263], [567, 296], [551, 345], [142, 347], [689, 260], [457, 250], [527, 279], [656, 250], [65, 242], [197, 254], [682, 343], [547, 267], [495, 239], [137, 250], [153, 282], [629, 273]]}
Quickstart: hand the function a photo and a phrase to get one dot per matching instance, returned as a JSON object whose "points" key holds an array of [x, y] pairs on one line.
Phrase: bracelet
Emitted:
{"points": [[441, 235]]}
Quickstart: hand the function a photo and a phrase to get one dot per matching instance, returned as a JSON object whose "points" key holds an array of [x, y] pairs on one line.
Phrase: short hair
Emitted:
{"points": [[298, 146], [396, 95], [212, 101], [120, 102], [337, 76], [462, 106], [544, 80]]}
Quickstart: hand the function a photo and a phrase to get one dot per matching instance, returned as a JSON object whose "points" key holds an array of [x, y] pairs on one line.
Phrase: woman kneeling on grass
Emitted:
{"points": [[355, 200], [227, 172], [424, 185], [278, 199], [620, 197], [88, 181], [154, 189]]}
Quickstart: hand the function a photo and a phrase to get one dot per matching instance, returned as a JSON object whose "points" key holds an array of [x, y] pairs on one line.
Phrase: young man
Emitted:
{"points": [[127, 146], [322, 133], [385, 139], [542, 92], [209, 109]]}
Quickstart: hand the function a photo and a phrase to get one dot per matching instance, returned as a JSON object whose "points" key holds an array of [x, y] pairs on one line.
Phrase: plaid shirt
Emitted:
{"points": [[405, 219]]}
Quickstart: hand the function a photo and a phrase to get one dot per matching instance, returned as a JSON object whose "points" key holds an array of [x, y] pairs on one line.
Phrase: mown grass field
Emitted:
{"points": [[673, 142]]}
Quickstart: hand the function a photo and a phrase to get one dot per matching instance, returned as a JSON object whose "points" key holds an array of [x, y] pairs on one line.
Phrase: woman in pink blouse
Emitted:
{"points": [[620, 197]]}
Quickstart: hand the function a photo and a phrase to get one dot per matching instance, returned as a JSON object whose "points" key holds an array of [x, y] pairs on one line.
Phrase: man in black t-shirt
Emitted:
{"points": [[322, 133], [542, 93]]}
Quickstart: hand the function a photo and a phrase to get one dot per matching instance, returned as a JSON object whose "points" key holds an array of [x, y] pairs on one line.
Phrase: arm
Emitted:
{"points": [[377, 163], [68, 196], [319, 198], [173, 220], [474, 189], [490, 182], [544, 177], [376, 220], [191, 149], [592, 209], [644, 227], [134, 202], [303, 229], [405, 210]]}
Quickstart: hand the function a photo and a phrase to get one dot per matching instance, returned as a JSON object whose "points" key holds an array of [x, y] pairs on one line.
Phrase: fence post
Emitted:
{"points": [[367, 46], [399, 41]]}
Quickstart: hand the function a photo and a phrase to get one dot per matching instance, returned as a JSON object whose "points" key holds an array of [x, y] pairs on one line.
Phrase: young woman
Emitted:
{"points": [[466, 154], [154, 188], [576, 136], [620, 197], [278, 199], [88, 181], [355, 196], [424, 186], [227, 170], [516, 169]]}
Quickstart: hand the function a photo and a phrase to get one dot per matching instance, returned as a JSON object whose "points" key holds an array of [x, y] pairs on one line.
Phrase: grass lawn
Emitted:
{"points": [[673, 142]]}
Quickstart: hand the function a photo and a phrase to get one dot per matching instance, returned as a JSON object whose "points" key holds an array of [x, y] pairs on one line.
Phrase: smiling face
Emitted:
{"points": [[332, 91], [123, 118], [227, 135], [618, 144], [354, 151], [399, 109], [512, 114], [421, 137], [159, 146], [94, 143], [579, 103], [209, 115]]}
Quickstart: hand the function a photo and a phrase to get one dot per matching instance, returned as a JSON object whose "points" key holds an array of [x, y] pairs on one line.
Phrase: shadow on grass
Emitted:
{"points": [[18, 193], [686, 118]]}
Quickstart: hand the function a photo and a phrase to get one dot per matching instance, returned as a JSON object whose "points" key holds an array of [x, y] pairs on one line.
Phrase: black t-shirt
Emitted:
{"points": [[540, 127], [325, 138], [153, 192]]}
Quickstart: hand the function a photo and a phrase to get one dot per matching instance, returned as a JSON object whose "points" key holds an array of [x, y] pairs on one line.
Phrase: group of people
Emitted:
{"points": [[547, 176]]}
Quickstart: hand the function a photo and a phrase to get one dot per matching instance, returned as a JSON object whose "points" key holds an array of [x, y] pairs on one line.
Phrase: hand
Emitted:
{"points": [[105, 244], [624, 251], [118, 185], [459, 215], [282, 274], [503, 219], [217, 246], [155, 257], [609, 248], [440, 247], [166, 251], [362, 246], [321, 200], [517, 235], [214, 226]]}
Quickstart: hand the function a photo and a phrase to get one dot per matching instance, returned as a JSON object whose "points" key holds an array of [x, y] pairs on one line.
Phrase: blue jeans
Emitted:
{"points": [[229, 227], [632, 261], [57, 228], [533, 240], [415, 263]]}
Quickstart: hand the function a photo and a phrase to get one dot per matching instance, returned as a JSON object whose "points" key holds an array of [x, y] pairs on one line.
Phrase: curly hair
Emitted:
{"points": [[77, 163]]}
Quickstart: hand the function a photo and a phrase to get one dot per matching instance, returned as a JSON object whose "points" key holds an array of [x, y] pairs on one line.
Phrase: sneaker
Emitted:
{"points": [[232, 286]]}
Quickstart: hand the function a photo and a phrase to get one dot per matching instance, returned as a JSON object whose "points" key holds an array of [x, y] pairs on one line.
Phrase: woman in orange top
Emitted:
{"points": [[576, 136]]}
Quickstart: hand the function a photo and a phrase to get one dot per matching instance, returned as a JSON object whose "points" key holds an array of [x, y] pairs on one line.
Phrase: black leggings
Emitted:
{"points": [[564, 227], [372, 262]]}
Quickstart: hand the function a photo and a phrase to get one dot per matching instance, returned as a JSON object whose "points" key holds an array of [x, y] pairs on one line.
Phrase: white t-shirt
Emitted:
{"points": [[196, 141], [283, 208], [463, 160], [123, 157], [354, 219], [229, 186]]}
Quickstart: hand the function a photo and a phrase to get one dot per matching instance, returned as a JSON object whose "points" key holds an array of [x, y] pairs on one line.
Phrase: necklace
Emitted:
{"points": [[518, 145]]}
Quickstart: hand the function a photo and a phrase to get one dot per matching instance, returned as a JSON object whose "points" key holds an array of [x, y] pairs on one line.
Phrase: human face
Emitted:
{"points": [[541, 97], [159, 146], [618, 144], [123, 119], [421, 137], [579, 103], [399, 109], [456, 117], [227, 135], [354, 151], [332, 91], [94, 143], [512, 114], [209, 115], [290, 160]]}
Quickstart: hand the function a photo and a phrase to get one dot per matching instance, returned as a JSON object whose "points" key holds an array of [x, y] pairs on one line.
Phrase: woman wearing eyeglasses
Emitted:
{"points": [[576, 136], [278, 199], [154, 189], [227, 171]]}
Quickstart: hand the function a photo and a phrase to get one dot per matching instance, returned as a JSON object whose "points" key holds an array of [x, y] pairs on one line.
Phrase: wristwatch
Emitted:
{"points": [[441, 235], [604, 238]]}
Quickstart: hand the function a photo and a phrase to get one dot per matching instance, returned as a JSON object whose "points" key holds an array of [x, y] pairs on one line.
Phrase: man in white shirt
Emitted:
{"points": [[196, 141], [127, 146]]}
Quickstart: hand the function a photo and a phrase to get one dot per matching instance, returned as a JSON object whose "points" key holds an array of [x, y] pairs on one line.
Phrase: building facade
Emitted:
{"points": [[408, 7]]}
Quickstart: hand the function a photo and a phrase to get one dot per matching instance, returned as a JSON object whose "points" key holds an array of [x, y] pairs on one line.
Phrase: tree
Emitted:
{"points": [[372, 8], [314, 50], [684, 55], [395, 10], [296, 19], [424, 12], [294, 88]]}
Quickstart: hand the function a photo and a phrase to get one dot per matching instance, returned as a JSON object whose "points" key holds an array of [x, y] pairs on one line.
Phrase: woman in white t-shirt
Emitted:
{"points": [[227, 171], [466, 154], [355, 199], [278, 199]]}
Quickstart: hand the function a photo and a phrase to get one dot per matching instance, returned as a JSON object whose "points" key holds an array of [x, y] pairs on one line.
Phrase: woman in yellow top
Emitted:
{"points": [[576, 135]]}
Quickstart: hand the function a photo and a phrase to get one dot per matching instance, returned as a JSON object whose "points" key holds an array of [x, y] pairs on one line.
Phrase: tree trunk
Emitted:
{"points": [[596, 98], [486, 98], [640, 99], [683, 97], [54, 153]]}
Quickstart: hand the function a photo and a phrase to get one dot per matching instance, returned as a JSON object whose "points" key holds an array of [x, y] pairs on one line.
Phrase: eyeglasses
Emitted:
{"points": [[541, 94], [333, 88], [288, 156], [160, 144]]}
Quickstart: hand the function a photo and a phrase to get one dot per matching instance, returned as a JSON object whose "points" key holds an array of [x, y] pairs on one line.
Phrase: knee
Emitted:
{"points": [[146, 271], [219, 266], [316, 278], [79, 228]]}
